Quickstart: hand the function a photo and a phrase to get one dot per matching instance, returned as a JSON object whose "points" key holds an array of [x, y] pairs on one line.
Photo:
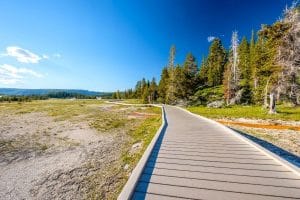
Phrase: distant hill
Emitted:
{"points": [[29, 92]]}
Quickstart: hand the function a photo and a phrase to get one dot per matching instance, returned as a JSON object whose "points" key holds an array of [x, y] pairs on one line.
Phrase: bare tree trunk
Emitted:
{"points": [[266, 105], [228, 90], [279, 90], [293, 96], [293, 92], [234, 47], [272, 103], [255, 82]]}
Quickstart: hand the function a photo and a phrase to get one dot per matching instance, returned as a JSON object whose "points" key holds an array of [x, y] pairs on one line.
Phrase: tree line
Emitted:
{"points": [[262, 70], [58, 95]]}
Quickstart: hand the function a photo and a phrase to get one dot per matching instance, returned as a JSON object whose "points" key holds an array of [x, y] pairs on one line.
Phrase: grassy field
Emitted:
{"points": [[251, 112], [133, 101], [140, 135], [102, 142], [60, 109]]}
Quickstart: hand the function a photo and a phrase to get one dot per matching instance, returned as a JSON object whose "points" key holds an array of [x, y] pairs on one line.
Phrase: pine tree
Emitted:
{"points": [[262, 71], [146, 95], [153, 90], [126, 95], [118, 94], [203, 77], [190, 76], [258, 59], [289, 56], [245, 71], [271, 70], [130, 93], [143, 85], [138, 90], [114, 95], [163, 85], [179, 82], [216, 63]]}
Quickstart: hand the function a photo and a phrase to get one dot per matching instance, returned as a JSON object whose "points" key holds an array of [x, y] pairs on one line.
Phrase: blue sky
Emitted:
{"points": [[105, 45]]}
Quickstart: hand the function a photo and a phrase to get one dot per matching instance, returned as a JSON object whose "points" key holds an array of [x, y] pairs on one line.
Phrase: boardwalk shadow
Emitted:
{"points": [[144, 181], [290, 157]]}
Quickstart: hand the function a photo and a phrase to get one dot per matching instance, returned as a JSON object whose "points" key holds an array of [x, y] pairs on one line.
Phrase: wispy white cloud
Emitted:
{"points": [[210, 38], [44, 56], [12, 75], [26, 56], [57, 55], [22, 55]]}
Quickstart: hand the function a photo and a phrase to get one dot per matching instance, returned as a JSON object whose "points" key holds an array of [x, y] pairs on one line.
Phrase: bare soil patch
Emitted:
{"points": [[65, 149], [284, 134], [275, 126], [46, 159]]}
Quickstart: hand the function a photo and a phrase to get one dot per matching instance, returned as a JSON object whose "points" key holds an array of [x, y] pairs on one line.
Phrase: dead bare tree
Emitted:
{"points": [[234, 72]]}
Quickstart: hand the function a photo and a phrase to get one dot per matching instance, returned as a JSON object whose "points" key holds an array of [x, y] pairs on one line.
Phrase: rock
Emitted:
{"points": [[216, 104], [237, 98], [181, 103], [135, 147], [126, 167]]}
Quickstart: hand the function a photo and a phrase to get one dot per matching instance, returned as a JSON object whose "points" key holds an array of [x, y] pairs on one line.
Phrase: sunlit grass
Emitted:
{"points": [[105, 118], [143, 134], [139, 131], [253, 112], [54, 107], [133, 101]]}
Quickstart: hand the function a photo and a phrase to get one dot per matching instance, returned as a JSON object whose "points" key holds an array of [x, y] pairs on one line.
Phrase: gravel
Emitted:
{"points": [[41, 158]]}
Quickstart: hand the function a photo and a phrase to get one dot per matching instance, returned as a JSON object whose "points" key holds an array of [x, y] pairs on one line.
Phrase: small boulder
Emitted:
{"points": [[126, 167], [216, 104], [135, 147]]}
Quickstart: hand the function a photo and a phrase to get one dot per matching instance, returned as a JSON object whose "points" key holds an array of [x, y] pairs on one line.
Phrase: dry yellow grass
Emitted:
{"points": [[91, 139]]}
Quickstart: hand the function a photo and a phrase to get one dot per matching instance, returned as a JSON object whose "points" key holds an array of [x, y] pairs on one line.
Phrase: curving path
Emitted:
{"points": [[197, 159]]}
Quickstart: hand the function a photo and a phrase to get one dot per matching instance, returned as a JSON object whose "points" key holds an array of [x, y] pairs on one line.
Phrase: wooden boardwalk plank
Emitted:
{"points": [[195, 159]]}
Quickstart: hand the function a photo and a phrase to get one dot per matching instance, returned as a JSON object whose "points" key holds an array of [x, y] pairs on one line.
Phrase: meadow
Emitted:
{"points": [[80, 149], [284, 112]]}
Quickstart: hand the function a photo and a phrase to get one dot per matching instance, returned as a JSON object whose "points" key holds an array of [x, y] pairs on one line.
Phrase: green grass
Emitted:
{"points": [[143, 133], [253, 112], [133, 101], [139, 131], [60, 108], [106, 119], [105, 122]]}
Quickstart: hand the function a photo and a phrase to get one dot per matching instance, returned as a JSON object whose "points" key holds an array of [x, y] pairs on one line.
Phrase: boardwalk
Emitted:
{"points": [[195, 159]]}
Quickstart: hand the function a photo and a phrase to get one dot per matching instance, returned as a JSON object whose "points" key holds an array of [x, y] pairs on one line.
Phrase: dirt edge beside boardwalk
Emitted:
{"points": [[264, 126], [285, 135]]}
